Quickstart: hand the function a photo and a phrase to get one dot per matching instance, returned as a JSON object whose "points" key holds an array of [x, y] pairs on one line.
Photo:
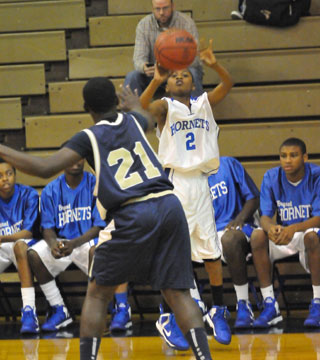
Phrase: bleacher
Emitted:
{"points": [[48, 49]]}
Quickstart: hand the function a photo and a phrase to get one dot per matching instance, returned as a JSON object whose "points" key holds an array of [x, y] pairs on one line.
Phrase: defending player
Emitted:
{"points": [[235, 199], [70, 226], [292, 191], [149, 240], [188, 149], [19, 210]]}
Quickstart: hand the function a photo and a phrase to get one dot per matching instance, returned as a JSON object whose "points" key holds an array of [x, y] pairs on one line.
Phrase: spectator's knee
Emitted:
{"points": [[311, 241]]}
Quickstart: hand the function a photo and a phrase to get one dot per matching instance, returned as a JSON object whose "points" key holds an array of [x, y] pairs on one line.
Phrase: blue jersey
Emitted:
{"points": [[20, 212], [230, 188], [125, 164], [293, 204], [70, 212]]}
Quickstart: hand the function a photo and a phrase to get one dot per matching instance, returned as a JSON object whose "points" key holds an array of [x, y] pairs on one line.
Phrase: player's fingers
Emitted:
{"points": [[202, 44], [211, 44]]}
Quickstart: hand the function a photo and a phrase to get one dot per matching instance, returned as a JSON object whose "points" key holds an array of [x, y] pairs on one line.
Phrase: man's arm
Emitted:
{"points": [[226, 83], [23, 234], [249, 208], [38, 166], [50, 237]]}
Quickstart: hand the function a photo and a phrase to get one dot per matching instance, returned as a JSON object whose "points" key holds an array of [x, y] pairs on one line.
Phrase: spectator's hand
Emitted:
{"points": [[148, 70], [235, 225], [206, 53], [161, 74], [129, 100], [274, 232], [285, 235], [55, 250], [66, 247]]}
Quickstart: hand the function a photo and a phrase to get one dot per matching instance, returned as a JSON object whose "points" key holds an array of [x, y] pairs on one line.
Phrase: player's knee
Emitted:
{"points": [[20, 250], [34, 259], [258, 240], [311, 241], [232, 241]]}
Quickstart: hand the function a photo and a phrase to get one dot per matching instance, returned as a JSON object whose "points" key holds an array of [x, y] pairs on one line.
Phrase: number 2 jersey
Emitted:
{"points": [[125, 164], [293, 203], [189, 139]]}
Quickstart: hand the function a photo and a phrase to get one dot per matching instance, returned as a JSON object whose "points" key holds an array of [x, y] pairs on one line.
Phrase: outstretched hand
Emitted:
{"points": [[129, 100], [206, 53]]}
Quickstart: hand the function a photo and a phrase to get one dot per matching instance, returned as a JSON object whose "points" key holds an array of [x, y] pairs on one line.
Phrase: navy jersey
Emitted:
{"points": [[293, 204], [125, 164], [20, 212], [70, 212], [230, 188]]}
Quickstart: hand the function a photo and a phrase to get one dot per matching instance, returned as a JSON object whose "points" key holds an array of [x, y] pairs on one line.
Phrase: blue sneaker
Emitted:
{"points": [[270, 314], [121, 317], [59, 318], [245, 316], [217, 320], [29, 320], [313, 320], [170, 331]]}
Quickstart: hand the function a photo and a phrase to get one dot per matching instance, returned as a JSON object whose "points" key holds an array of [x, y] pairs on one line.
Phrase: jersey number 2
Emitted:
{"points": [[124, 177], [190, 140]]}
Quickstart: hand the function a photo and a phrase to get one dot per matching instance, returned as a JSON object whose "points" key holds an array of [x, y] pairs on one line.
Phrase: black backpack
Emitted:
{"points": [[275, 12]]}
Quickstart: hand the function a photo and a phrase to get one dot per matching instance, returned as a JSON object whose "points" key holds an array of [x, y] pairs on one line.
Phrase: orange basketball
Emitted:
{"points": [[175, 49]]}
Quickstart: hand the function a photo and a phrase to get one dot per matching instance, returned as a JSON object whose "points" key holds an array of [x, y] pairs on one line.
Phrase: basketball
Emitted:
{"points": [[175, 49]]}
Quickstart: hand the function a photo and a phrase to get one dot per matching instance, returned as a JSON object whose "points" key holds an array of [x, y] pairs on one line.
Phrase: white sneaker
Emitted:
{"points": [[236, 15]]}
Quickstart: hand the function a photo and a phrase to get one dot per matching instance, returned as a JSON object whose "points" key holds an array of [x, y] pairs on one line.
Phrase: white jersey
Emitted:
{"points": [[189, 139]]}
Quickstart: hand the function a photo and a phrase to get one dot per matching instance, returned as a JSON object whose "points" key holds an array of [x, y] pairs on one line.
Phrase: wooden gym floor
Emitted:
{"points": [[289, 341]]}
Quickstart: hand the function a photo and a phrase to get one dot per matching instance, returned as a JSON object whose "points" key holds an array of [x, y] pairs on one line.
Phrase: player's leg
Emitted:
{"points": [[235, 250], [189, 319], [29, 317], [92, 324], [45, 268], [260, 252], [312, 248]]}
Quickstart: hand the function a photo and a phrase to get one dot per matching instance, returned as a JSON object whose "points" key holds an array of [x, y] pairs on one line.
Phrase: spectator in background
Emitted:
{"points": [[19, 211], [292, 192], [70, 226], [235, 199], [163, 17]]}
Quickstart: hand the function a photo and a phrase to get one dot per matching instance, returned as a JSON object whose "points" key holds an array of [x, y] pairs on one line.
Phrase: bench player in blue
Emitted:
{"points": [[188, 150], [19, 211], [292, 192], [69, 217], [148, 238], [235, 199]]}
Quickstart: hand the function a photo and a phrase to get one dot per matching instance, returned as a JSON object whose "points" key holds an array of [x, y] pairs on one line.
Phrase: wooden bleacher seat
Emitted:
{"points": [[42, 15], [66, 97], [22, 80], [32, 47], [10, 113]]}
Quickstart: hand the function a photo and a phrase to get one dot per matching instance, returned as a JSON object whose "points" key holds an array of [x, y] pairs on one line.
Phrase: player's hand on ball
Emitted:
{"points": [[161, 74], [206, 53]]}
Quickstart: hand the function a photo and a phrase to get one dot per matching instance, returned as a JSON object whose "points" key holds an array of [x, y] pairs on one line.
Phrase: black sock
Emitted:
{"points": [[89, 348], [217, 295], [197, 339]]}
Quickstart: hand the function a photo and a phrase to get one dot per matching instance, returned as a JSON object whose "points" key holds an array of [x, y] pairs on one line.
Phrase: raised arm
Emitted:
{"points": [[226, 83]]}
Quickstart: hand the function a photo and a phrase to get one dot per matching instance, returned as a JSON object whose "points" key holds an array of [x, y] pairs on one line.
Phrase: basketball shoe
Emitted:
{"points": [[217, 320], [58, 318], [245, 316], [121, 317], [313, 320], [170, 331], [270, 315], [29, 320]]}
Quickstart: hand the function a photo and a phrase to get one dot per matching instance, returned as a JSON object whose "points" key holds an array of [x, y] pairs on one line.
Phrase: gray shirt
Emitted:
{"points": [[147, 32]]}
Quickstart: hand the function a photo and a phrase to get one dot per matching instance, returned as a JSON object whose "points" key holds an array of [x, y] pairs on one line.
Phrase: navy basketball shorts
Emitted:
{"points": [[147, 242]]}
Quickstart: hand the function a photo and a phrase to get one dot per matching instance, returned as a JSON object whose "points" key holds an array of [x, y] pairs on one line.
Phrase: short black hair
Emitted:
{"points": [[2, 161], [295, 142], [99, 95]]}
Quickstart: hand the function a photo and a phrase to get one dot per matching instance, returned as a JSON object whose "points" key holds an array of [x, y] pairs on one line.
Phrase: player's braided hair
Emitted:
{"points": [[99, 95]]}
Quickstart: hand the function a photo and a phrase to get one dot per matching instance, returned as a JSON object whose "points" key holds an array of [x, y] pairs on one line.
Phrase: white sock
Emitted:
{"points": [[267, 292], [52, 293], [195, 292], [316, 291], [28, 297], [242, 291]]}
